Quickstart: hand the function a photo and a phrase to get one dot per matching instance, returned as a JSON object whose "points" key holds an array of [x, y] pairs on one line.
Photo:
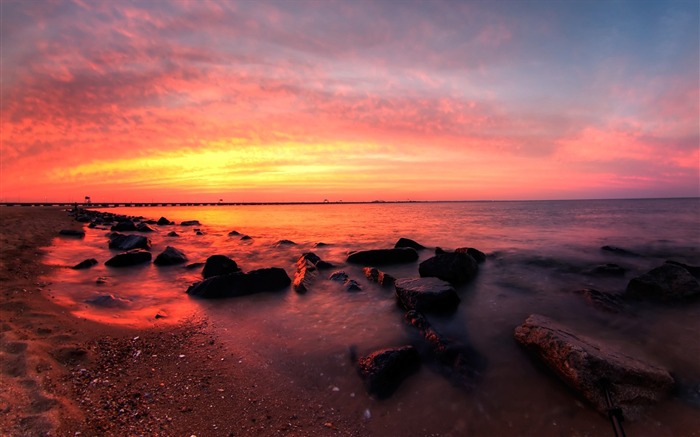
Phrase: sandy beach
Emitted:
{"points": [[63, 375]]}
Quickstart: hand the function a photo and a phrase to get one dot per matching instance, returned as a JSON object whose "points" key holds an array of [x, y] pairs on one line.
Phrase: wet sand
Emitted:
{"points": [[62, 375]]}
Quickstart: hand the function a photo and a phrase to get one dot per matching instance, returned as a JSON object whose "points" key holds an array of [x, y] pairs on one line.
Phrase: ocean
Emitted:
{"points": [[539, 253]]}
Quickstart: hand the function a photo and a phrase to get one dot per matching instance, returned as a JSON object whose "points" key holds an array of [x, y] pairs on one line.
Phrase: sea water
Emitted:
{"points": [[538, 254]]}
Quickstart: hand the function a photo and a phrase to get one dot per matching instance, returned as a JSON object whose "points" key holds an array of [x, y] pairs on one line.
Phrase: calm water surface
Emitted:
{"points": [[537, 253]]}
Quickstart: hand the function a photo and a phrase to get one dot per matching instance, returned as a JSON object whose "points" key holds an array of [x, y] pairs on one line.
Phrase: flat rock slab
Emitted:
{"points": [[586, 365], [426, 294], [385, 369]]}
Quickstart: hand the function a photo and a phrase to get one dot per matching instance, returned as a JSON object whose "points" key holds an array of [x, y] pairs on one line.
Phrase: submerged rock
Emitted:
{"points": [[233, 233], [130, 258], [407, 242], [143, 227], [190, 223], [669, 282], [282, 243], [607, 270], [453, 267], [172, 234], [108, 301], [384, 370], [128, 242], [383, 256], [338, 276], [619, 251], [601, 300], [426, 294], [124, 226], [170, 256], [378, 276], [219, 265], [240, 284], [586, 365], [86, 264]]}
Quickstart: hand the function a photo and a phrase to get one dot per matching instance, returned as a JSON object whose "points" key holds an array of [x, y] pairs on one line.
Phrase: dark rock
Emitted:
{"points": [[240, 284], [407, 242], [190, 223], [378, 276], [193, 266], [170, 256], [586, 365], [143, 227], [124, 226], [460, 362], [246, 237], [101, 280], [478, 255], [619, 251], [384, 370], [426, 294], [219, 265], [339, 276], [603, 301], [233, 233], [439, 251], [285, 243], [324, 265], [383, 256], [352, 285], [86, 264], [199, 233], [668, 282], [607, 270], [321, 244], [693, 270], [128, 242], [130, 258], [163, 222], [108, 301], [72, 233], [453, 267], [172, 234]]}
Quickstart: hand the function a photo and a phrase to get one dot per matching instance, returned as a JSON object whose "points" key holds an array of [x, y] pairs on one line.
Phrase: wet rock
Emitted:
{"points": [[86, 264], [190, 223], [407, 242], [172, 234], [193, 266], [170, 256], [378, 276], [453, 267], [384, 370], [321, 244], [234, 233], [143, 227], [459, 362], [383, 256], [586, 365], [246, 237], [240, 284], [478, 255], [426, 294], [128, 242], [108, 301], [72, 233], [124, 226], [163, 222], [129, 258], [338, 276], [304, 275], [603, 301], [607, 270], [219, 265], [352, 285], [282, 243], [619, 251], [668, 282], [693, 270]]}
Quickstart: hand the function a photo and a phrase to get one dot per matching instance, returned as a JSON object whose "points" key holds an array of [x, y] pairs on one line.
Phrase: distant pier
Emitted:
{"points": [[162, 204]]}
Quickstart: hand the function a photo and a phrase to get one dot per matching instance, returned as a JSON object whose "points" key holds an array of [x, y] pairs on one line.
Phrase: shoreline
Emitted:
{"points": [[63, 375]]}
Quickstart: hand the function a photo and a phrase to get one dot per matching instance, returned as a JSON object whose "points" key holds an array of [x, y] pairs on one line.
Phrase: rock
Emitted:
{"points": [[172, 234], [607, 270], [170, 256], [190, 223], [199, 233], [233, 233], [321, 244], [439, 251], [585, 365], [383, 256], [124, 226], [461, 363], [285, 243], [129, 258], [453, 267], [352, 285], [219, 265], [407, 242], [668, 282], [163, 222], [246, 237], [478, 255], [193, 266], [426, 294], [619, 251], [338, 276], [72, 233], [128, 242], [303, 277], [384, 370], [693, 270], [240, 284], [378, 276], [108, 301], [143, 227], [603, 301], [86, 264]]}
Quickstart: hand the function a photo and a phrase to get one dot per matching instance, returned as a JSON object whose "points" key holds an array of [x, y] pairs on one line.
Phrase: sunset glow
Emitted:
{"points": [[305, 101]]}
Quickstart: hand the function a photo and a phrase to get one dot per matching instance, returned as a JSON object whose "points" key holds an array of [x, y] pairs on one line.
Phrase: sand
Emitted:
{"points": [[62, 375]]}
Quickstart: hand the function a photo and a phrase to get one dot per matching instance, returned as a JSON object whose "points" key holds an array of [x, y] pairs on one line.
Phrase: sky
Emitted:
{"points": [[277, 101]]}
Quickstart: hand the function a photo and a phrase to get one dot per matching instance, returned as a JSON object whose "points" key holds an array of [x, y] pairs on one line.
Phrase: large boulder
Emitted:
{"points": [[407, 242], [385, 369], [240, 284], [124, 226], [669, 282], [453, 267], [129, 258], [426, 294], [587, 366], [383, 256], [163, 222], [219, 265], [128, 242], [170, 256]]}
